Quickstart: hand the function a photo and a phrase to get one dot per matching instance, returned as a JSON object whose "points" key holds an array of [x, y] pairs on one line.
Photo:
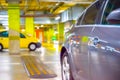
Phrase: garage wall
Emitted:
{"points": [[72, 13]]}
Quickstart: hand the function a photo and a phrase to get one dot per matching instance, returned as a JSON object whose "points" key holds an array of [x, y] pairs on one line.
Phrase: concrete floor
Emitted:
{"points": [[11, 67]]}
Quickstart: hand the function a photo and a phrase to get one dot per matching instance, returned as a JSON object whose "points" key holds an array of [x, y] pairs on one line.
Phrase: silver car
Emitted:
{"points": [[92, 46]]}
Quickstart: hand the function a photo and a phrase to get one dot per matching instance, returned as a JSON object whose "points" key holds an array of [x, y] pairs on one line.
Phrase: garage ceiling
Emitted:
{"points": [[43, 10], [46, 6]]}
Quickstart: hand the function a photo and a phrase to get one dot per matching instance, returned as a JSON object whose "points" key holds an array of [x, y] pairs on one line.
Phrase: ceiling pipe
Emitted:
{"points": [[57, 6], [1, 7], [26, 7], [26, 4], [13, 1], [70, 1], [38, 2], [42, 15]]}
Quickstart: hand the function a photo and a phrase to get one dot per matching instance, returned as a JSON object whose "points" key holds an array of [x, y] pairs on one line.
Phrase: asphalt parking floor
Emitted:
{"points": [[11, 67]]}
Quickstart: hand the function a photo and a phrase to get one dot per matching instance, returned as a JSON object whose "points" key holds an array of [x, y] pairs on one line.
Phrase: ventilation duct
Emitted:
{"points": [[13, 1]]}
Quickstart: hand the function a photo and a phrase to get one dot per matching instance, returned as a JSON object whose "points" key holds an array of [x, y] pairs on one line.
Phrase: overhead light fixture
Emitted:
{"points": [[56, 32], [61, 11], [3, 16], [42, 25], [23, 30], [57, 18], [57, 4], [37, 27]]}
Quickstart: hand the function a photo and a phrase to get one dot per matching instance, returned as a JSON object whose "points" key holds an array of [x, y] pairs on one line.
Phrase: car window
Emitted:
{"points": [[4, 34], [80, 19], [112, 5], [21, 35], [91, 13]]}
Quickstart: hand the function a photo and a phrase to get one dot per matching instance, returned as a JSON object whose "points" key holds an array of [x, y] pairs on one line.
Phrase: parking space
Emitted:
{"points": [[12, 68]]}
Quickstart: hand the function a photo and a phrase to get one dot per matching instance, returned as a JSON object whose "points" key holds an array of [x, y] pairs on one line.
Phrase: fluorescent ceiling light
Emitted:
{"points": [[57, 18], [23, 30], [3, 16], [42, 25], [57, 4], [37, 27], [61, 11]]}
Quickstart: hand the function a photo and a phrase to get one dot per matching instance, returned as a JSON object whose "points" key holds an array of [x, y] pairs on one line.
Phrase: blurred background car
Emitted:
{"points": [[25, 41], [92, 46]]}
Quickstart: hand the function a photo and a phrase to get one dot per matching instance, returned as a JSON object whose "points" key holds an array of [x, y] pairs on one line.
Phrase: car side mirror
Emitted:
{"points": [[114, 17], [69, 28]]}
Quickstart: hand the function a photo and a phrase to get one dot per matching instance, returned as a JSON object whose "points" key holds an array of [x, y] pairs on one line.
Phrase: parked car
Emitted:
{"points": [[91, 50], [25, 41]]}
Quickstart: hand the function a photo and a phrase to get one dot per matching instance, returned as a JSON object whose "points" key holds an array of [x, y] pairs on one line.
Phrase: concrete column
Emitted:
{"points": [[49, 36], [29, 26], [45, 35], [60, 33], [14, 28]]}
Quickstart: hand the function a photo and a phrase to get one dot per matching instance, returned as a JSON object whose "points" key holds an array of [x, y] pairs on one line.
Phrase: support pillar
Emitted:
{"points": [[14, 28], [60, 33], [29, 26], [49, 36]]}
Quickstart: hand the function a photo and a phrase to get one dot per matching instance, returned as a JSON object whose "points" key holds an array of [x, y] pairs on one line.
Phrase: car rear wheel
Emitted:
{"points": [[66, 71], [32, 46], [1, 47]]}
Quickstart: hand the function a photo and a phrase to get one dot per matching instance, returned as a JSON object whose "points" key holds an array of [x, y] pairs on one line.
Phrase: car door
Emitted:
{"points": [[23, 41], [80, 39], [105, 48]]}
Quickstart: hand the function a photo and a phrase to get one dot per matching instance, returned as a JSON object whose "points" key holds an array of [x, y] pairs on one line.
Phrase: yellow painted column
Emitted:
{"points": [[50, 33], [14, 28], [45, 36], [29, 26], [48, 36], [60, 33]]}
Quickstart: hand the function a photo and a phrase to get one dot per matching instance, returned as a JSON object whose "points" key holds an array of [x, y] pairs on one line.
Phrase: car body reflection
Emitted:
{"points": [[92, 46]]}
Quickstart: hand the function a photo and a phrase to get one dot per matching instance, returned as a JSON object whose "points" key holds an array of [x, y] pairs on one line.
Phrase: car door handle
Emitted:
{"points": [[96, 41]]}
